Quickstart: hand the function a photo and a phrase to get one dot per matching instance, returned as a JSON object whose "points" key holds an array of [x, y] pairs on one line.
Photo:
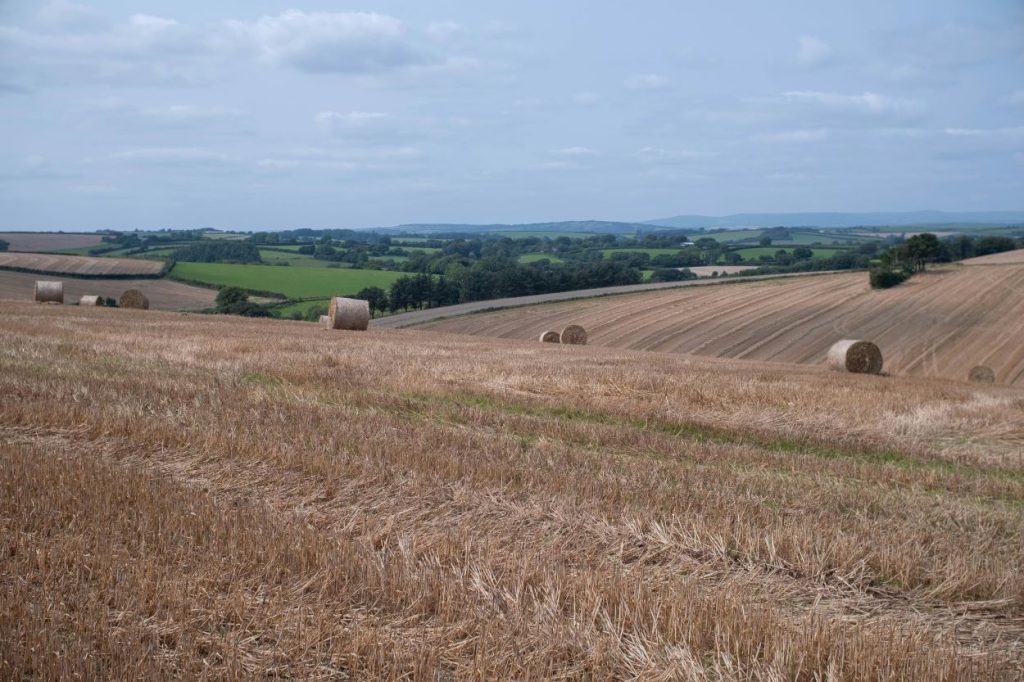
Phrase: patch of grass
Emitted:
{"points": [[534, 257], [293, 282]]}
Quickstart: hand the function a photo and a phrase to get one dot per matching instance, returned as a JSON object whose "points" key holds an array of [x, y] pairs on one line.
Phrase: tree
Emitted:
{"points": [[229, 296], [3, 245], [802, 253], [765, 241], [921, 249], [376, 297]]}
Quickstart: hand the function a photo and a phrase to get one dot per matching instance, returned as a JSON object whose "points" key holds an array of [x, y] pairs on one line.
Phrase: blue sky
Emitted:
{"points": [[263, 114]]}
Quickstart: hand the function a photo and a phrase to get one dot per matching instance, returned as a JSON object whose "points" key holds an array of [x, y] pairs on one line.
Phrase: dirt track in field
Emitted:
{"points": [[939, 323]]}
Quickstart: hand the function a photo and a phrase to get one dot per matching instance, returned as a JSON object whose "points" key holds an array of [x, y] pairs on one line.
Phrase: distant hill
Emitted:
{"points": [[592, 226], [740, 220]]}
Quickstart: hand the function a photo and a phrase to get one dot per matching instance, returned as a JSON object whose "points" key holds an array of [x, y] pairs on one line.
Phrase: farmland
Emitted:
{"points": [[163, 294], [178, 500], [938, 324], [82, 266], [49, 241], [293, 282], [756, 252]]}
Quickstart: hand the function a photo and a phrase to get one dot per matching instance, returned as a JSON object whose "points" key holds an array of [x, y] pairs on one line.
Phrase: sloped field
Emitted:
{"points": [[939, 323], [1004, 258], [79, 265], [48, 241], [212, 497], [163, 294]]}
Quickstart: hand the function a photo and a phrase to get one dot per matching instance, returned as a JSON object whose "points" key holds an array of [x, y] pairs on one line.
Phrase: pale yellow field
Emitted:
{"points": [[1004, 258], [940, 323], [208, 497], [79, 265]]}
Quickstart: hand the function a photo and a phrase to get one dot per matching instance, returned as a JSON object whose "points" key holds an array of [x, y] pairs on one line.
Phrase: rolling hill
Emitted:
{"points": [[940, 323], [908, 218], [187, 496]]}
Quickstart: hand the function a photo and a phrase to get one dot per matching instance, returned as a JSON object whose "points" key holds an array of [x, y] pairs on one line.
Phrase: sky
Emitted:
{"points": [[267, 115]]}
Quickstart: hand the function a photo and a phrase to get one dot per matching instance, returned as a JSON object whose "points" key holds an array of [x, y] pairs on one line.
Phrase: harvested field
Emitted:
{"points": [[179, 500], [79, 265], [163, 294], [1004, 258], [940, 323], [48, 241], [707, 270]]}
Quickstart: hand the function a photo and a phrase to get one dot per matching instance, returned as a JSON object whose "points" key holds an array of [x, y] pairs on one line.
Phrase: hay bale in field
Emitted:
{"points": [[49, 292], [325, 321], [133, 298], [352, 314], [550, 336], [859, 357], [90, 300], [574, 335], [981, 374]]}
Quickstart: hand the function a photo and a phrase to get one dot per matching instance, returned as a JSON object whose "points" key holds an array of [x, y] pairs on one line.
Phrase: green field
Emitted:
{"points": [[726, 235], [550, 235], [293, 282], [534, 257], [755, 252], [650, 252]]}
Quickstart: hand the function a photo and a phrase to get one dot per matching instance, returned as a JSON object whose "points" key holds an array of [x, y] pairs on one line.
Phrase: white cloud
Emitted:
{"points": [[865, 104], [360, 124], [813, 52], [586, 98], [341, 42], [443, 31], [803, 135], [170, 156], [69, 16], [989, 133], [576, 151], [659, 155], [649, 82]]}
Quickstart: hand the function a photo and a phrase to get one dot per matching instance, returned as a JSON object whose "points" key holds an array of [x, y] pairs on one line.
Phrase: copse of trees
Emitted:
{"points": [[235, 301], [899, 263], [224, 251], [4, 245]]}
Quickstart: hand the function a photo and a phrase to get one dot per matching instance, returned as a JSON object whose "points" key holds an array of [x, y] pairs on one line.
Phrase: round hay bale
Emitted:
{"points": [[981, 374], [859, 357], [49, 292], [352, 314], [550, 336], [574, 335], [133, 298], [325, 321], [90, 300]]}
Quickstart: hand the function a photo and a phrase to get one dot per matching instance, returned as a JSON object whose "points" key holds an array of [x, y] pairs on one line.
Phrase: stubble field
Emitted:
{"points": [[940, 323], [163, 294], [221, 497], [80, 265]]}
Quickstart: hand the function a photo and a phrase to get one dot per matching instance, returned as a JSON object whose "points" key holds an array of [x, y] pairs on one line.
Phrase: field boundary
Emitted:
{"points": [[78, 275]]}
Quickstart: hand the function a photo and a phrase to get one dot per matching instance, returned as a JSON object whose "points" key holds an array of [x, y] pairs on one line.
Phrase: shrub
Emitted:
{"points": [[228, 296], [886, 279]]}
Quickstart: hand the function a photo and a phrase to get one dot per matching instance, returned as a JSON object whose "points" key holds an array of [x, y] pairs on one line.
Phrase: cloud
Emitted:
{"points": [[1016, 133], [648, 82], [813, 52], [815, 135], [443, 31], [576, 151], [69, 16], [661, 156], [586, 98], [326, 42], [867, 104], [1017, 98], [171, 156]]}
